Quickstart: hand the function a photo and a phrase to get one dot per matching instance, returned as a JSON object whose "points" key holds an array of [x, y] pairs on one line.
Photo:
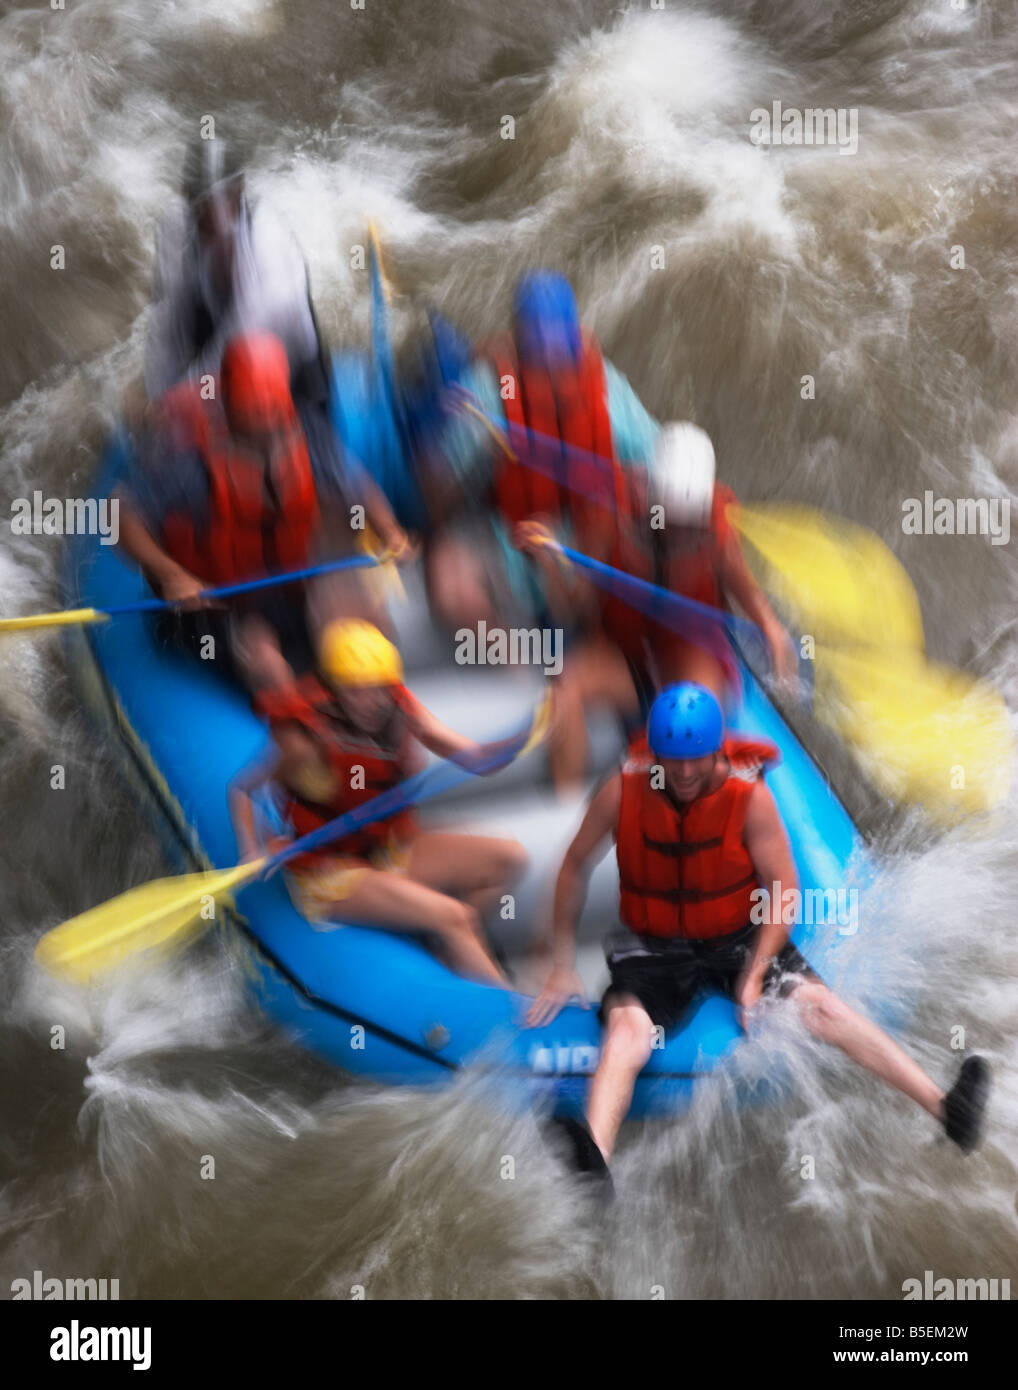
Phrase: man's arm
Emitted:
{"points": [[568, 592], [172, 581], [239, 799], [291, 761], [765, 838], [588, 847], [381, 519], [343, 481], [737, 581], [162, 481]]}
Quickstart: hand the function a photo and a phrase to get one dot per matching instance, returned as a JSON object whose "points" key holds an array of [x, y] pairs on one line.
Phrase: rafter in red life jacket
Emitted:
{"points": [[545, 412], [693, 572], [684, 870], [263, 514], [378, 762]]}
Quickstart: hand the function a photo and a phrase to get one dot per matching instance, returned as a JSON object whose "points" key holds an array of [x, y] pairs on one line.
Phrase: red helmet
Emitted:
{"points": [[255, 381]]}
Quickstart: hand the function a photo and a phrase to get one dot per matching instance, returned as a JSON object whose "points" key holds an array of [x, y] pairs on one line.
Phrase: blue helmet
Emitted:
{"points": [[685, 722], [547, 320]]}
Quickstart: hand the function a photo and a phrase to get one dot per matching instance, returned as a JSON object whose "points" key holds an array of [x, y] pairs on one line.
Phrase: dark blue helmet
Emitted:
{"points": [[547, 321], [685, 722]]}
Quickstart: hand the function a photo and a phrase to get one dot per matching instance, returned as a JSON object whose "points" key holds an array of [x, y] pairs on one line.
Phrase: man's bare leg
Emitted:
{"points": [[457, 584], [348, 594], [829, 1018], [258, 655], [625, 1051]]}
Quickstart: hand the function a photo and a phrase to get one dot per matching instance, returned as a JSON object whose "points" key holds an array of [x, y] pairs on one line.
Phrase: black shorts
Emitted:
{"points": [[285, 612], [666, 975]]}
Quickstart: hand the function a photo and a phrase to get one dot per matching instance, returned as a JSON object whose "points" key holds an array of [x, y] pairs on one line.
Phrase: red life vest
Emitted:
{"points": [[547, 411], [685, 871], [261, 517], [362, 767], [693, 573]]}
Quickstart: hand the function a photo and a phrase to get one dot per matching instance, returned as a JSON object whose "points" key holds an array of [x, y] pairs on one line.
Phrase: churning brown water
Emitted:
{"points": [[717, 275]]}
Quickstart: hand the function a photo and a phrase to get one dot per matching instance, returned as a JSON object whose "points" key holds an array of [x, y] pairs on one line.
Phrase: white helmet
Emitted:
{"points": [[682, 479]]}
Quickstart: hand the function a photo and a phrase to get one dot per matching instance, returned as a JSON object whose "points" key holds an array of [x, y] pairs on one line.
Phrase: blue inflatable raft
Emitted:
{"points": [[372, 1002]]}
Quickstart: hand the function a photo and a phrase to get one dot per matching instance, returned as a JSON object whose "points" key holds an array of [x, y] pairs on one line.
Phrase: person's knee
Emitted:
{"points": [[255, 638], [258, 654], [460, 921], [629, 1035], [821, 1011], [512, 861]]}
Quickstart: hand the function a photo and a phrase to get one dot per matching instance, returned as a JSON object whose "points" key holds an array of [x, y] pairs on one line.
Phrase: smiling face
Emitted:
{"points": [[688, 778]]}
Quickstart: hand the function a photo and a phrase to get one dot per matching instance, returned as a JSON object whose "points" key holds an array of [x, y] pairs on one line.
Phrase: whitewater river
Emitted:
{"points": [[717, 274]]}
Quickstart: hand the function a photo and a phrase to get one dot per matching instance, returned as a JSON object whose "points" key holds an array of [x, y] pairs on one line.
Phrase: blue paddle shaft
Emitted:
{"points": [[267, 581], [424, 785], [650, 598]]}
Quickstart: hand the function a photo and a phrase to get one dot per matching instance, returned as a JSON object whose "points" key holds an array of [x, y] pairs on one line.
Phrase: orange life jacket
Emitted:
{"points": [[362, 767], [693, 573], [685, 871], [545, 412], [261, 518]]}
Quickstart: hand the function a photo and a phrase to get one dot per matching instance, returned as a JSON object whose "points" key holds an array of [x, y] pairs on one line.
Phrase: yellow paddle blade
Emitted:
{"points": [[153, 914], [841, 581], [924, 733], [65, 619]]}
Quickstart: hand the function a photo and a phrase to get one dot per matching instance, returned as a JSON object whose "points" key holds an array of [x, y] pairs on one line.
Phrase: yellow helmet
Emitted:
{"points": [[353, 652]]}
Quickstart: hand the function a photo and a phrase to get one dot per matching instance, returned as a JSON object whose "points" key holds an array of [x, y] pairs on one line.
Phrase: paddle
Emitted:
{"points": [[173, 909], [841, 580], [655, 601], [923, 733], [70, 616]]}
